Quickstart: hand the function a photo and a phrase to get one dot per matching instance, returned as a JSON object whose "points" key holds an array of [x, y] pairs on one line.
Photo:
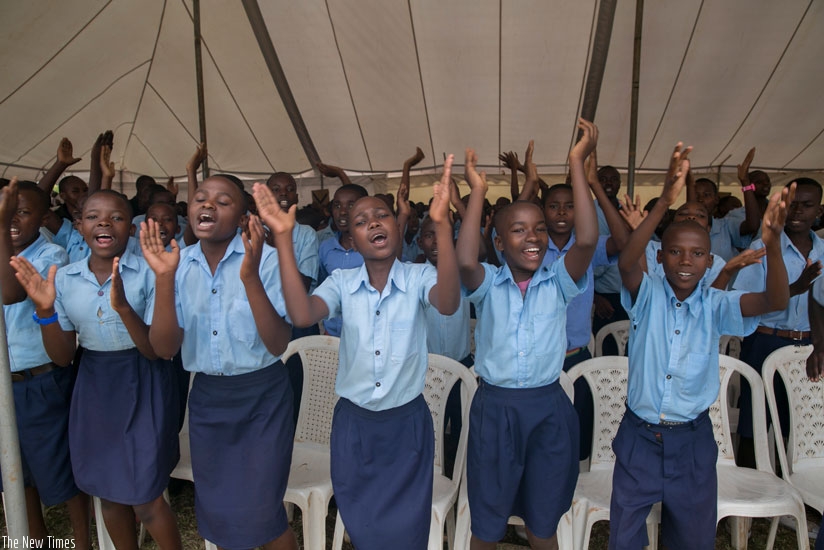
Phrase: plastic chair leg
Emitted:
{"points": [[103, 538], [337, 539], [740, 531], [314, 523]]}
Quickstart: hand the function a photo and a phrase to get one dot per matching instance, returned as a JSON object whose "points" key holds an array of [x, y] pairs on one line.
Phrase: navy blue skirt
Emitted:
{"points": [[382, 474], [123, 426], [241, 433]]}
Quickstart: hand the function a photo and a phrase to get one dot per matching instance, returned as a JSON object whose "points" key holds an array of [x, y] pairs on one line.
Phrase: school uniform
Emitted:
{"points": [[71, 240], [578, 332], [790, 326], [725, 234], [128, 399], [332, 255], [382, 444], [241, 426], [607, 284], [523, 434], [42, 391], [654, 267], [182, 223], [665, 449]]}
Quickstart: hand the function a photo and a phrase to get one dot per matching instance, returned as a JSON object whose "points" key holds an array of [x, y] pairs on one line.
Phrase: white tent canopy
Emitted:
{"points": [[373, 79]]}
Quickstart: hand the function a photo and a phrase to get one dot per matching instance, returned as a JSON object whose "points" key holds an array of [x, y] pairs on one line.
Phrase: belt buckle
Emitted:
{"points": [[796, 335]]}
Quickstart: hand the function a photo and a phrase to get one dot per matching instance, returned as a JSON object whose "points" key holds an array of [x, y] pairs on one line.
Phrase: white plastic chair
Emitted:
{"points": [[463, 529], [441, 375], [310, 479], [607, 379], [744, 492], [619, 330], [802, 461]]}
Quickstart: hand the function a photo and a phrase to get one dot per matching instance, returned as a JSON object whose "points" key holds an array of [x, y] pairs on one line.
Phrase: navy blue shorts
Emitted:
{"points": [[382, 474], [674, 465], [123, 426], [522, 458], [241, 434], [42, 408]]}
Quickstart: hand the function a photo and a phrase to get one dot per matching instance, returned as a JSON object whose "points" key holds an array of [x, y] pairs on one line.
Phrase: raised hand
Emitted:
{"points": [[413, 160], [473, 178], [744, 168], [65, 153], [106, 164], [402, 200], [530, 168], [772, 225], [591, 169], [8, 204], [677, 174], [632, 212], [745, 258], [278, 221], [454, 193], [439, 209], [510, 160], [162, 261], [253, 238], [200, 154], [589, 140], [328, 170], [805, 280], [40, 290], [172, 187], [118, 294]]}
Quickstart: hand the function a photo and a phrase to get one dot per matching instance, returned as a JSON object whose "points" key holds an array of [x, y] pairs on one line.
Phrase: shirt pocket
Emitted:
{"points": [[694, 379], [546, 328], [400, 341], [241, 322]]}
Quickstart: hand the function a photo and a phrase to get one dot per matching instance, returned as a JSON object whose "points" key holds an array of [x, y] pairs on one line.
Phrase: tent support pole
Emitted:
{"points": [[598, 62], [636, 81], [201, 101], [267, 48], [14, 494]]}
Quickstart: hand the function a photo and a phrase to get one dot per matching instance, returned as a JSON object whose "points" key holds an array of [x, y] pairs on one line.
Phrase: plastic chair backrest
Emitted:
{"points": [[806, 398], [607, 379], [319, 355], [719, 412], [441, 374], [619, 330]]}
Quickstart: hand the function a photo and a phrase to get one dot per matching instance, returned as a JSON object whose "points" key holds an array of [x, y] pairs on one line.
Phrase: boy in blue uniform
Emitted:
{"points": [[665, 449], [382, 443], [523, 435], [231, 335], [42, 390]]}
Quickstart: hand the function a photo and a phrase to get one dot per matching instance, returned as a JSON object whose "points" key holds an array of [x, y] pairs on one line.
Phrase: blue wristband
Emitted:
{"points": [[46, 321]]}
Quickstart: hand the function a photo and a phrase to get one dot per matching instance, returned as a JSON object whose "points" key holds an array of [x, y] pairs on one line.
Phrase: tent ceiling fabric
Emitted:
{"points": [[373, 79]]}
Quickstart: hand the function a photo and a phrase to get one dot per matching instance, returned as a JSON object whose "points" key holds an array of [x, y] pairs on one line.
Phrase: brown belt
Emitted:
{"points": [[791, 334], [26, 374]]}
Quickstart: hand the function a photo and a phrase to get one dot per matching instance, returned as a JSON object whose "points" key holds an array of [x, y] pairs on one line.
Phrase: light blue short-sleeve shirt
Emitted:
{"points": [[673, 348], [333, 256], [85, 306], [726, 237], [753, 278], [220, 336], [305, 243], [448, 335], [520, 341], [24, 338], [383, 356], [579, 310]]}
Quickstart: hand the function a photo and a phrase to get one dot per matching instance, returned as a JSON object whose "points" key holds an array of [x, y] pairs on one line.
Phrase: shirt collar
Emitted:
{"points": [[397, 277], [505, 274], [235, 246], [29, 251], [693, 301]]}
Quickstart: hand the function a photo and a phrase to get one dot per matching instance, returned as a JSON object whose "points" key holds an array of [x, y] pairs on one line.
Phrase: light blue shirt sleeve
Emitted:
{"points": [[305, 243]]}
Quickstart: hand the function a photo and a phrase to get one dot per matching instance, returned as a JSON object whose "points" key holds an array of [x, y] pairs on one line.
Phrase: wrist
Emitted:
{"points": [[749, 187], [45, 319]]}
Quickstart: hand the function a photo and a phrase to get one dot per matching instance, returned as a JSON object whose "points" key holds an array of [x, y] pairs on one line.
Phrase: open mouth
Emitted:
{"points": [[284, 204], [14, 232], [532, 252], [104, 239], [162, 234], [378, 238], [205, 220]]}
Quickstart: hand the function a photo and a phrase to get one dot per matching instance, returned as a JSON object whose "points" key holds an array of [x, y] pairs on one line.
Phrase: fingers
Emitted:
{"points": [[447, 170], [529, 150], [115, 271]]}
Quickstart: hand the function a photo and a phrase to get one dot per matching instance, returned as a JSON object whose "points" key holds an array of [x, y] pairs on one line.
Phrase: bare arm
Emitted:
{"points": [[304, 310], [446, 294], [736, 264], [13, 291], [273, 329], [752, 212], [60, 345], [95, 171], [530, 190], [629, 264], [472, 272], [510, 160], [65, 158], [201, 152], [579, 257], [334, 172], [619, 232], [776, 295], [138, 329], [165, 334], [106, 167]]}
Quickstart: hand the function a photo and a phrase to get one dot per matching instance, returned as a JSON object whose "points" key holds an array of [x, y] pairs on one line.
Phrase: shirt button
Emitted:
{"points": [[663, 416], [378, 312], [214, 291], [377, 384], [677, 332], [214, 333], [669, 376], [520, 354], [377, 352], [678, 304], [100, 293]]}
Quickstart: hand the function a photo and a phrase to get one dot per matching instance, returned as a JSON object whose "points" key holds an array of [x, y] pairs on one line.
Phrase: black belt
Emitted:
{"points": [[27, 374]]}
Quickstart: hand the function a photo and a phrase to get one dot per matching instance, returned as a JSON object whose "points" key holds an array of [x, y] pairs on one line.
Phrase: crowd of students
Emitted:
{"points": [[112, 302]]}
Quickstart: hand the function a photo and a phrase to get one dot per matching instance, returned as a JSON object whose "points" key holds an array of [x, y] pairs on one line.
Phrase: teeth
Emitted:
{"points": [[14, 231], [532, 250], [284, 204], [682, 274], [205, 217]]}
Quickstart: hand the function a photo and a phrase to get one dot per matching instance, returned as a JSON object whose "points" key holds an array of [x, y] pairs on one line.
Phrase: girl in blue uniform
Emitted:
{"points": [[124, 410]]}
